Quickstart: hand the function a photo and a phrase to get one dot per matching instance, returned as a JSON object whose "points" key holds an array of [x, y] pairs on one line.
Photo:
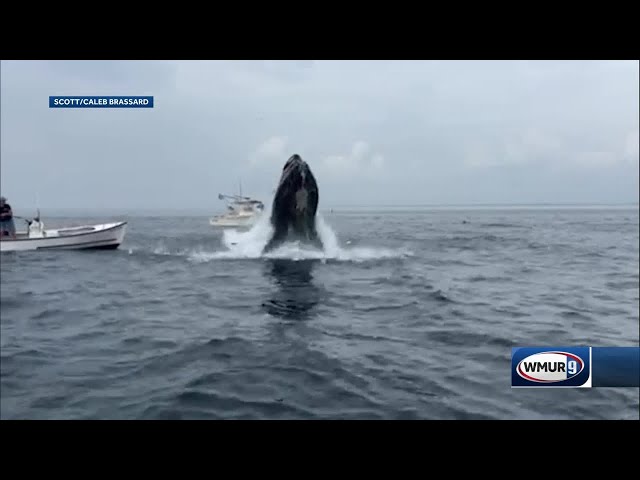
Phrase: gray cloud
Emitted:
{"points": [[383, 132]]}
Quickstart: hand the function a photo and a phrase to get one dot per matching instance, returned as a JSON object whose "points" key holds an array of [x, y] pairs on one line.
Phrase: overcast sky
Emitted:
{"points": [[374, 132]]}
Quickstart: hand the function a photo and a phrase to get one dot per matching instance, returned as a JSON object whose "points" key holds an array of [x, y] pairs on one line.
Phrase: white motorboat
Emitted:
{"points": [[242, 212], [37, 237]]}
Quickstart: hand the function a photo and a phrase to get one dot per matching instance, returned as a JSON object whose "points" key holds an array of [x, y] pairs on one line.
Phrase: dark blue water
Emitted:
{"points": [[409, 315]]}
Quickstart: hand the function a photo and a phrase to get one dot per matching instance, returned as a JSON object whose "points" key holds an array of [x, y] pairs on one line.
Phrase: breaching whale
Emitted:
{"points": [[293, 214]]}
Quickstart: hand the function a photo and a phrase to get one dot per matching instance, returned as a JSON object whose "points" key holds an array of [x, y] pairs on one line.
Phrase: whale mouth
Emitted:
{"points": [[292, 167], [295, 205], [301, 200]]}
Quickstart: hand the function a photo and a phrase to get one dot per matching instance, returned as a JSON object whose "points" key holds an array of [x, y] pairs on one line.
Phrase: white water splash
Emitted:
{"points": [[249, 245]]}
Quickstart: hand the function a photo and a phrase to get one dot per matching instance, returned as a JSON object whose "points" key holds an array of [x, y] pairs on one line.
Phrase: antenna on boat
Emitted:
{"points": [[37, 219], [240, 184]]}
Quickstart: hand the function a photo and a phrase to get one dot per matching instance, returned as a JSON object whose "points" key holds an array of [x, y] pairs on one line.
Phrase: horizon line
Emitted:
{"points": [[100, 212], [333, 206]]}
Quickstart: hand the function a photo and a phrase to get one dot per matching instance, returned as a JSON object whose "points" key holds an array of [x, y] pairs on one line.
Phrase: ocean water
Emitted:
{"points": [[406, 315]]}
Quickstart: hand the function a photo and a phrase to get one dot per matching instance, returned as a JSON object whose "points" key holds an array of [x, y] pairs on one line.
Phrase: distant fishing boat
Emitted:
{"points": [[242, 212]]}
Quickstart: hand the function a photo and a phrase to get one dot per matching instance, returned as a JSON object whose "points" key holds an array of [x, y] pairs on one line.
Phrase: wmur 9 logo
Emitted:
{"points": [[551, 367]]}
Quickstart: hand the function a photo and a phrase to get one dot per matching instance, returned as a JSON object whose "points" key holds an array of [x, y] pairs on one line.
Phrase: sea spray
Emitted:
{"points": [[249, 245]]}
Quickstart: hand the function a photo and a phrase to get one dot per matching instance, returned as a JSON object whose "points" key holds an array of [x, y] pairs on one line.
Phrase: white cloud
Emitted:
{"points": [[377, 161], [595, 159], [360, 159], [631, 147], [439, 124], [546, 149], [479, 155], [274, 149], [531, 145]]}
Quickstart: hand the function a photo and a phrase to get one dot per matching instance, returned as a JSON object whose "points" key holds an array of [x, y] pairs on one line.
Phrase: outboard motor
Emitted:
{"points": [[36, 228]]}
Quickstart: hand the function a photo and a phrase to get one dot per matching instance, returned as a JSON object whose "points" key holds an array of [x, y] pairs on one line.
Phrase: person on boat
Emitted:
{"points": [[6, 219]]}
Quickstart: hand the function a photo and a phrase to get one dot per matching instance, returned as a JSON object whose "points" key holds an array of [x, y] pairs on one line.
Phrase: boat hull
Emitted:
{"points": [[88, 237], [246, 222]]}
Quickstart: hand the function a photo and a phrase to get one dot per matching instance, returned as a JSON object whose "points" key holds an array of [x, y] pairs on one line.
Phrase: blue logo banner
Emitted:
{"points": [[616, 366], [101, 102], [575, 367], [551, 367]]}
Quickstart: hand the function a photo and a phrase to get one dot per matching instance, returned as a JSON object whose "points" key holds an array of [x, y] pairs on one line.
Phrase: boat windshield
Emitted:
{"points": [[241, 205]]}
